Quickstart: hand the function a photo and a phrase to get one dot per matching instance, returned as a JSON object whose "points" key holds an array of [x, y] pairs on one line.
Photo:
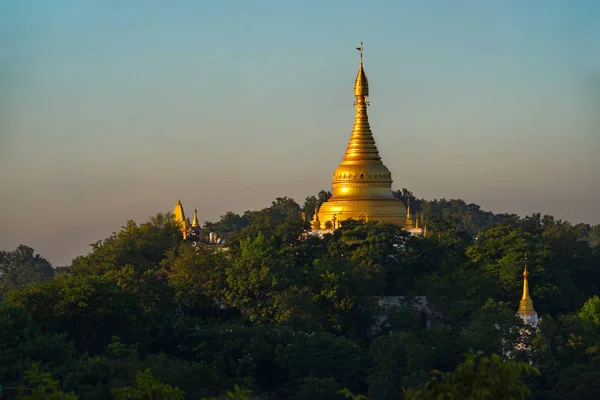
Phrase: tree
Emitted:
{"points": [[197, 274], [140, 246], [477, 378], [322, 197], [469, 218], [237, 394], [374, 249], [230, 223], [147, 387], [321, 356], [594, 236], [591, 311], [22, 341], [495, 328], [316, 389], [397, 360], [256, 276], [22, 267], [310, 207], [40, 386], [90, 309]]}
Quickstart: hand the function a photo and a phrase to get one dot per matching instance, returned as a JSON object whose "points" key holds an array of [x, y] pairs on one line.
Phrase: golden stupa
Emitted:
{"points": [[362, 185], [526, 311], [179, 218]]}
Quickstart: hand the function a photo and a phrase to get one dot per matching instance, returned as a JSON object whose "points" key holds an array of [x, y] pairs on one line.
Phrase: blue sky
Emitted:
{"points": [[113, 110]]}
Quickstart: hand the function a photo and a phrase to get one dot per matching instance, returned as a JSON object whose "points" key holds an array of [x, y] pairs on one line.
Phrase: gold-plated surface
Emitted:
{"points": [[195, 223], [179, 217], [409, 222], [362, 185], [315, 224], [526, 304], [361, 84]]}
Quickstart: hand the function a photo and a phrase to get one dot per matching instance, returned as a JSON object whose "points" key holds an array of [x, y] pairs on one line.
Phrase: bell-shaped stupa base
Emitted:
{"points": [[333, 211]]}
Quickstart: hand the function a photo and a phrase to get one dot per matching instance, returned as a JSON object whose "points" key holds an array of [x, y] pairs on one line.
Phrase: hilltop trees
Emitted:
{"points": [[140, 246], [22, 267], [288, 315]]}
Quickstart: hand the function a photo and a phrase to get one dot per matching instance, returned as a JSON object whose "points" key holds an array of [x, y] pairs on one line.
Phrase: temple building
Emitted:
{"points": [[526, 311], [362, 184], [191, 230]]}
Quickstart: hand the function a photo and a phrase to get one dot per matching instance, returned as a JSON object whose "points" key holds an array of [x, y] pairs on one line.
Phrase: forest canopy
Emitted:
{"points": [[278, 313]]}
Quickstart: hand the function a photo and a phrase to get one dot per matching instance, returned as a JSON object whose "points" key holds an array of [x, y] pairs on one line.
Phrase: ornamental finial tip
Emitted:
{"points": [[361, 48], [361, 84]]}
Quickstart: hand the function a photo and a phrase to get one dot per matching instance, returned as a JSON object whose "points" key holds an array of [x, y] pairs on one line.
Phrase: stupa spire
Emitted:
{"points": [[526, 302], [361, 84], [409, 221], [179, 217], [362, 144], [315, 224], [526, 310], [195, 223]]}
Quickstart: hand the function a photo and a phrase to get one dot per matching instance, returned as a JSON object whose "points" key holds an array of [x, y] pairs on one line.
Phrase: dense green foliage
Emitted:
{"points": [[281, 314]]}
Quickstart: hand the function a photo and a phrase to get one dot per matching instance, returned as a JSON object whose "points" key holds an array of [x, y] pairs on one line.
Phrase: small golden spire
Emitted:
{"points": [[526, 304], [409, 221], [315, 224], [195, 223], [417, 217]]}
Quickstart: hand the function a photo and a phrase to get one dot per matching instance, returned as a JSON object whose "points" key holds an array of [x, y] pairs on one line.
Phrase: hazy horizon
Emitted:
{"points": [[112, 110]]}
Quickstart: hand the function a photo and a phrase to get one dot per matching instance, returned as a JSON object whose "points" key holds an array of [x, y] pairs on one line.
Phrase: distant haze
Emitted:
{"points": [[113, 110]]}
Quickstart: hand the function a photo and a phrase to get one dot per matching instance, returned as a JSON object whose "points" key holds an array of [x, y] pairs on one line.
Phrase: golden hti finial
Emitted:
{"points": [[361, 50], [361, 84]]}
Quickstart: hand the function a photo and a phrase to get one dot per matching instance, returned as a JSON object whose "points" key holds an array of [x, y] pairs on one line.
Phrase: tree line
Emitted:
{"points": [[282, 314]]}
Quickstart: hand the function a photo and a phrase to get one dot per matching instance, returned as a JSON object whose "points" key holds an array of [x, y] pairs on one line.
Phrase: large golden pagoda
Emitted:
{"points": [[362, 185]]}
